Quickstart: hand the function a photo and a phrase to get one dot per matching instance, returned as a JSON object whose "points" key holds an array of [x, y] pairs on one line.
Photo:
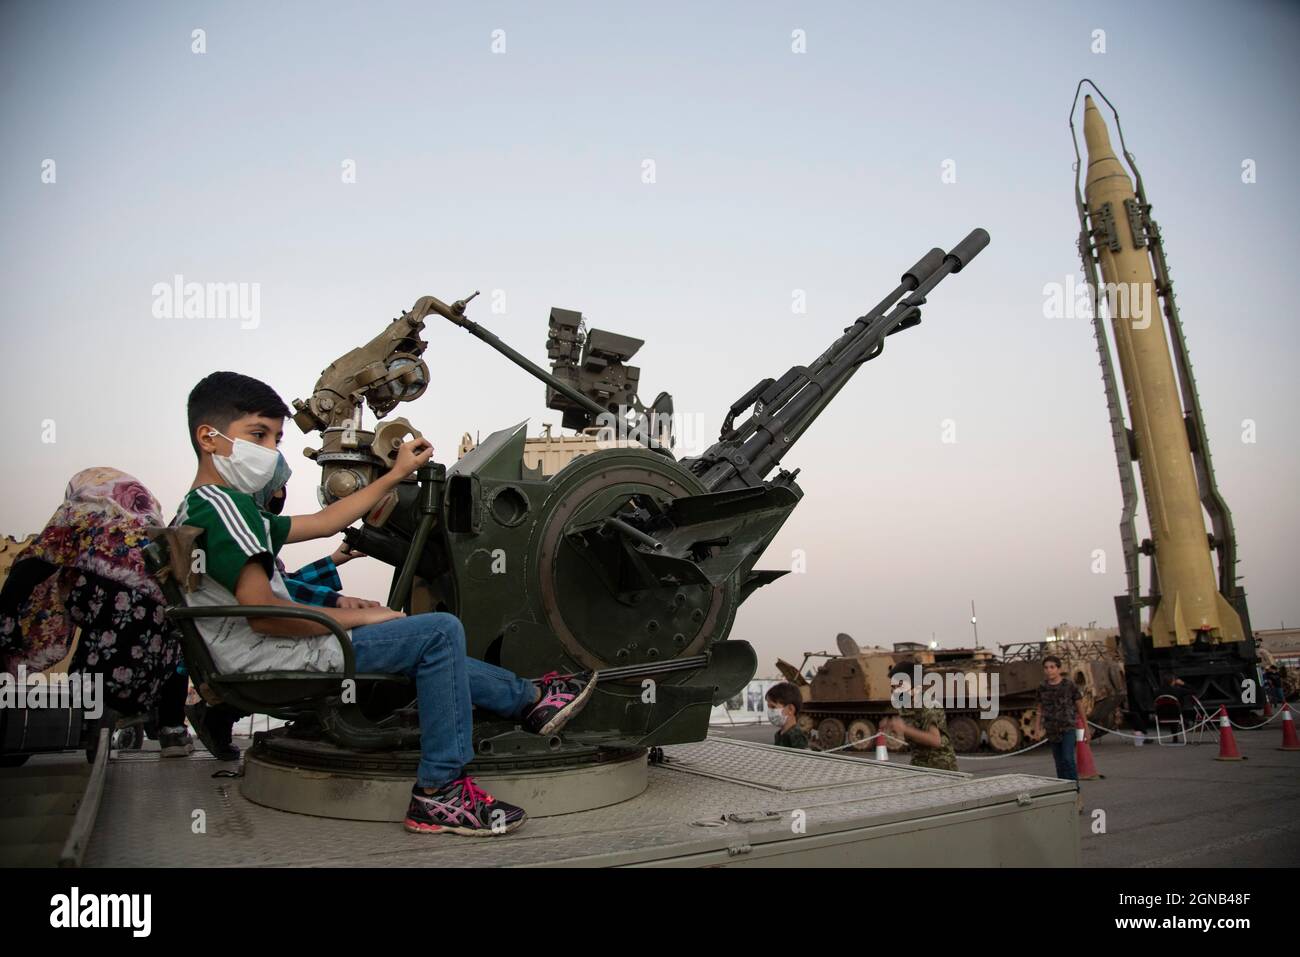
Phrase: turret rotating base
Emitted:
{"points": [[320, 779]]}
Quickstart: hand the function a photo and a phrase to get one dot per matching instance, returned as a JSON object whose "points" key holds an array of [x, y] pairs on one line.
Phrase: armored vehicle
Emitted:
{"points": [[850, 692]]}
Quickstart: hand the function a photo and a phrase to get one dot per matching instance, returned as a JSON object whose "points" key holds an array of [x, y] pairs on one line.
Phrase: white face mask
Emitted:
{"points": [[776, 716], [248, 467]]}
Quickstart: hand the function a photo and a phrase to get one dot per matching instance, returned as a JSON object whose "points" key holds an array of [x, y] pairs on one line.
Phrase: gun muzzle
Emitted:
{"points": [[968, 248], [924, 268]]}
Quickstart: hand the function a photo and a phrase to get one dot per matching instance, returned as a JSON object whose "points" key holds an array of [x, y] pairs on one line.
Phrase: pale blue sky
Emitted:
{"points": [[775, 172]]}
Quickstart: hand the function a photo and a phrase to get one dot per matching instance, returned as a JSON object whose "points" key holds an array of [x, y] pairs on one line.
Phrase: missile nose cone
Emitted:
{"points": [[1095, 133], [1103, 164]]}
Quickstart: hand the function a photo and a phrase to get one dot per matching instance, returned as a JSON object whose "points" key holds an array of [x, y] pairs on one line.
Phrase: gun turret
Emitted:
{"points": [[625, 561], [784, 408]]}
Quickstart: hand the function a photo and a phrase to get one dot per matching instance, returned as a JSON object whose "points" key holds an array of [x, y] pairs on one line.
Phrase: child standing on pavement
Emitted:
{"points": [[1060, 707]]}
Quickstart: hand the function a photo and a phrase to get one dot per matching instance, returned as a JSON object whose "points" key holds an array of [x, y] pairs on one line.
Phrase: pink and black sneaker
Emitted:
{"points": [[461, 807], [563, 696]]}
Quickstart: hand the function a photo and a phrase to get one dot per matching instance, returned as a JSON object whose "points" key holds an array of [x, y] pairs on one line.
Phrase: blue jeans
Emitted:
{"points": [[430, 649], [1063, 754]]}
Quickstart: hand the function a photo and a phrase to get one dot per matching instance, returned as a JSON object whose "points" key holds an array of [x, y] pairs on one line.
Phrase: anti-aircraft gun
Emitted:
{"points": [[628, 561]]}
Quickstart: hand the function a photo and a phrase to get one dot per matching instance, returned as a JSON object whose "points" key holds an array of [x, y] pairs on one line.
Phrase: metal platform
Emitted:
{"points": [[276, 780], [715, 802]]}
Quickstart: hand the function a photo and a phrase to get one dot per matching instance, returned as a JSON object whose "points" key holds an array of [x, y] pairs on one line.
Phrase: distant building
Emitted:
{"points": [[1282, 643], [1088, 632]]}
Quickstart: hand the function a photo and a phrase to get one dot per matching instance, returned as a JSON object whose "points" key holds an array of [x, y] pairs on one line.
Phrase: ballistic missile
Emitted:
{"points": [[1190, 604]]}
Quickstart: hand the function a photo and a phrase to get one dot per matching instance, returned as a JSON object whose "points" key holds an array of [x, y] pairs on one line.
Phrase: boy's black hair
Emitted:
{"points": [[1053, 659], [223, 397], [784, 693]]}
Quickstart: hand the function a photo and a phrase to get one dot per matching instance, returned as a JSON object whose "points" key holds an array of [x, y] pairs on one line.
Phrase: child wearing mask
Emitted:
{"points": [[235, 425], [783, 704]]}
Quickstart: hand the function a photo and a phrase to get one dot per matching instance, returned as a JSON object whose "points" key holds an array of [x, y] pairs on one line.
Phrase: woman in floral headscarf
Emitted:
{"points": [[86, 570]]}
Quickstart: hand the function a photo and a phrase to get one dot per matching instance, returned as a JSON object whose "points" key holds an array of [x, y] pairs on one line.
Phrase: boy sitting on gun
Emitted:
{"points": [[235, 425]]}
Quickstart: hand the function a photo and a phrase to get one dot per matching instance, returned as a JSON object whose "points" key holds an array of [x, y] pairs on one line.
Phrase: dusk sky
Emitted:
{"points": [[507, 147]]}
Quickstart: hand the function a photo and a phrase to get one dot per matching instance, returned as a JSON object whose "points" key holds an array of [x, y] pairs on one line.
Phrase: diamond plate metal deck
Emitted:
{"points": [[148, 816], [782, 769]]}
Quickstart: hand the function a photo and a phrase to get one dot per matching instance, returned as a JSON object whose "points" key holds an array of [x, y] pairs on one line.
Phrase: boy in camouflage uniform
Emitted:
{"points": [[926, 730]]}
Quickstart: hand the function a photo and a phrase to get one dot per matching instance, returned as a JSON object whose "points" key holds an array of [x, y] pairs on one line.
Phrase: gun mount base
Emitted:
{"points": [[323, 780]]}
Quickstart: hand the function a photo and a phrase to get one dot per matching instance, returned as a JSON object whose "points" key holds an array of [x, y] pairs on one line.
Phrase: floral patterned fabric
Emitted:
{"points": [[86, 570]]}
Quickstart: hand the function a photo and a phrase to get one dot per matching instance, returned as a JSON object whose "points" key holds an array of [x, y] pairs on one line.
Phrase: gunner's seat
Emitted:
{"points": [[360, 712]]}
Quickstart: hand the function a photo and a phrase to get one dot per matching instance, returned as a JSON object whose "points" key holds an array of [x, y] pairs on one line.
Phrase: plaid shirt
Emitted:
{"points": [[315, 584]]}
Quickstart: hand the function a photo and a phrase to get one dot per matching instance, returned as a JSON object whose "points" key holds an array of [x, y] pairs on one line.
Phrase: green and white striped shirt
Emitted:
{"points": [[236, 532]]}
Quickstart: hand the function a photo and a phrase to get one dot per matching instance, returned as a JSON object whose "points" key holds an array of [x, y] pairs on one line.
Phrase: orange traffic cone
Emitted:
{"points": [[1083, 761], [1227, 740], [1268, 706], [1289, 740], [882, 751]]}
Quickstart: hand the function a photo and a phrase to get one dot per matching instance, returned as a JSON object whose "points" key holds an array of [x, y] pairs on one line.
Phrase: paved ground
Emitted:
{"points": [[1173, 807]]}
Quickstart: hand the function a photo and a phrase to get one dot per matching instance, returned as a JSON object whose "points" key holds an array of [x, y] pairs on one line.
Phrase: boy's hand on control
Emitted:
{"points": [[343, 554], [411, 456]]}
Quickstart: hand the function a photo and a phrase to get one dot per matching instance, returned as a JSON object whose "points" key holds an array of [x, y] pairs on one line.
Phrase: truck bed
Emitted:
{"points": [[715, 802]]}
